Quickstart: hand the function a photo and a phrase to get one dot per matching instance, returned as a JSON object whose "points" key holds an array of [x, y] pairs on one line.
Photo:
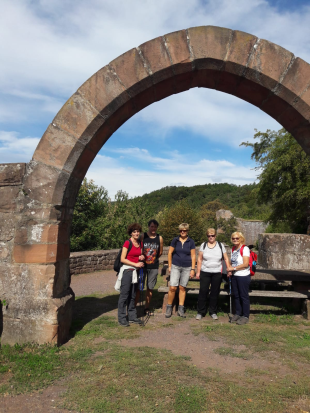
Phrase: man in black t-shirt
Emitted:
{"points": [[152, 249]]}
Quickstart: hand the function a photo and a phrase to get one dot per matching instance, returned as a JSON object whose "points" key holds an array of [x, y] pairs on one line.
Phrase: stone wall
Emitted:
{"points": [[89, 261], [249, 228], [284, 251]]}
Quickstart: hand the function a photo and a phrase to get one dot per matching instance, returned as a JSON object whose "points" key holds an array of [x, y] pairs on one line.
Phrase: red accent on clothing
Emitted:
{"points": [[134, 253]]}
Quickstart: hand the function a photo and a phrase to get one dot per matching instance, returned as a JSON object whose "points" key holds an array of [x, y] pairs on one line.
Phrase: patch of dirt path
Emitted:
{"points": [[97, 282], [37, 402], [180, 339]]}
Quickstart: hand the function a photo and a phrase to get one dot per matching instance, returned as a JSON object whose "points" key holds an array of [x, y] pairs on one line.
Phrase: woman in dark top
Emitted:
{"points": [[128, 276], [181, 262]]}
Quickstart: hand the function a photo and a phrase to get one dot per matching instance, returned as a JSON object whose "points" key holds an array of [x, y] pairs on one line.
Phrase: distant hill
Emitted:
{"points": [[237, 198]]}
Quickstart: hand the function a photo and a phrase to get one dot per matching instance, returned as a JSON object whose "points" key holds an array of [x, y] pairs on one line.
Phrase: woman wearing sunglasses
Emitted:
{"points": [[181, 264], [240, 279], [209, 270]]}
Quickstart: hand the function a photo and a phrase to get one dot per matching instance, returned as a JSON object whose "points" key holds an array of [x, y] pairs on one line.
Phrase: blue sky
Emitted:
{"points": [[52, 47]]}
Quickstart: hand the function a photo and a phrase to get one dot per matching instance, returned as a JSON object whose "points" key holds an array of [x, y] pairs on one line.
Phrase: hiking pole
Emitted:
{"points": [[141, 273], [230, 306]]}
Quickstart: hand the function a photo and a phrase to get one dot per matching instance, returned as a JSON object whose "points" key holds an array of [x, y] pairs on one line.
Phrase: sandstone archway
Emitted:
{"points": [[38, 198]]}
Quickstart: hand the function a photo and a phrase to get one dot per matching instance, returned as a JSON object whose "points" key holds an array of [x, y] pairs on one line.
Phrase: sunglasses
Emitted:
{"points": [[183, 230], [235, 239], [210, 236]]}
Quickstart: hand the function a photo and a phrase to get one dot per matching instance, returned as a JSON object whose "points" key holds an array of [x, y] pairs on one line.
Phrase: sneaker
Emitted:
{"points": [[123, 323], [214, 316], [136, 321], [198, 317], [234, 318], [181, 312], [168, 311], [242, 320]]}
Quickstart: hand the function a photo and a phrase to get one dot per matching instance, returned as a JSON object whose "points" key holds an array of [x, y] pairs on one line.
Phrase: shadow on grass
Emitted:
{"points": [[88, 308]]}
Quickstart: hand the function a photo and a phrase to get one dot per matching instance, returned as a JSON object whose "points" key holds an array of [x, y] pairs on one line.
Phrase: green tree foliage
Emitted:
{"points": [[225, 228], [198, 195], [208, 213], [99, 223], [181, 212], [284, 178]]}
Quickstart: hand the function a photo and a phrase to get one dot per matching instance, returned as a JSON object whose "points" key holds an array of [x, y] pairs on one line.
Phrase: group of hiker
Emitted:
{"points": [[140, 262]]}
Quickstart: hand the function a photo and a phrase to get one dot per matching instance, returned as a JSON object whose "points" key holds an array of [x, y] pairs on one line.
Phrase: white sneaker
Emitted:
{"points": [[198, 317], [214, 316]]}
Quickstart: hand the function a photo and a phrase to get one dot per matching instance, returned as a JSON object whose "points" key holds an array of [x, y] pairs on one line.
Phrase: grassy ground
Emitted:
{"points": [[103, 376]]}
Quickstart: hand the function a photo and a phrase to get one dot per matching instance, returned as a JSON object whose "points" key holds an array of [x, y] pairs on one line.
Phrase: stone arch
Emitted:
{"points": [[35, 271]]}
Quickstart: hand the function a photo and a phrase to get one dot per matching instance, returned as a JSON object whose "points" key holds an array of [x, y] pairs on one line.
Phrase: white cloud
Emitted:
{"points": [[177, 170], [52, 47], [218, 116], [15, 149]]}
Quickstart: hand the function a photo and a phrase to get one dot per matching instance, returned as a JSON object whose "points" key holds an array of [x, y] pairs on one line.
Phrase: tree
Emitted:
{"points": [[225, 228], [91, 203], [98, 223], [284, 178], [180, 213]]}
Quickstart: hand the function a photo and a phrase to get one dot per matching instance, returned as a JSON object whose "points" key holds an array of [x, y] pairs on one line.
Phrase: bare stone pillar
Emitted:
{"points": [[34, 265]]}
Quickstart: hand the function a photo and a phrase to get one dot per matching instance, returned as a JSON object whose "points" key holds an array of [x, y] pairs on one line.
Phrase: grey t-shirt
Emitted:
{"points": [[212, 258]]}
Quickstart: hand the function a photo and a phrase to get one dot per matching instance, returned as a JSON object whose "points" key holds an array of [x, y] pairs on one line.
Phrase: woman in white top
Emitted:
{"points": [[209, 270], [240, 279]]}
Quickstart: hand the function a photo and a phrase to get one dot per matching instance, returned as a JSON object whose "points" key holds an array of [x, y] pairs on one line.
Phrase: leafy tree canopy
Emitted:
{"points": [[180, 213], [284, 178]]}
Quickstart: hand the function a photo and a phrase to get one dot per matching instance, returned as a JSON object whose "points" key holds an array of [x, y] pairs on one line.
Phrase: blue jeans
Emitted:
{"points": [[240, 289]]}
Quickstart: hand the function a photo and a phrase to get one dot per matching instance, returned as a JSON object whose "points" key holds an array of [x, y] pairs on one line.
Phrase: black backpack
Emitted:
{"points": [[117, 262]]}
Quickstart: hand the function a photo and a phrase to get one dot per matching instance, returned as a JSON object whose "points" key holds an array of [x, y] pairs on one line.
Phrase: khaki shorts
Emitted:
{"points": [[179, 276]]}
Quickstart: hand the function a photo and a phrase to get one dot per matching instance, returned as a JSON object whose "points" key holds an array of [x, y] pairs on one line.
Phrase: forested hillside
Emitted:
{"points": [[280, 197], [239, 199]]}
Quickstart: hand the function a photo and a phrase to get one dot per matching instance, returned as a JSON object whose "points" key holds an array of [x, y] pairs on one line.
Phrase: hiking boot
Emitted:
{"points": [[242, 320], [123, 323], [198, 316], [135, 321], [181, 311], [234, 318], [168, 311], [214, 316]]}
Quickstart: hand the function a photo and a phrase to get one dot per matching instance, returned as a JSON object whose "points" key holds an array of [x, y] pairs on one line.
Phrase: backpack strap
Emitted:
{"points": [[241, 250], [205, 244], [221, 250]]}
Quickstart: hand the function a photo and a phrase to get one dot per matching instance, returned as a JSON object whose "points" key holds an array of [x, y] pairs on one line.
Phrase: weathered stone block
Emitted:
{"points": [[40, 253], [284, 251], [210, 45], [8, 198], [268, 64], [7, 226], [157, 59], [59, 149], [12, 173], [131, 71], [44, 183], [105, 92], [79, 118]]}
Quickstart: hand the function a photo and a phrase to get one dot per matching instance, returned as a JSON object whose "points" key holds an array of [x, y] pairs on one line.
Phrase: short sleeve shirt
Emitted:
{"points": [[237, 259], [134, 252], [212, 258], [182, 253]]}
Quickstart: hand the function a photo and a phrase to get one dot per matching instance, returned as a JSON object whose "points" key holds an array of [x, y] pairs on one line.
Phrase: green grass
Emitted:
{"points": [[231, 352], [101, 375]]}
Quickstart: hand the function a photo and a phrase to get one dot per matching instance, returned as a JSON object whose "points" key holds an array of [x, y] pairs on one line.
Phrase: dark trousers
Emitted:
{"points": [[240, 289], [126, 301], [207, 278]]}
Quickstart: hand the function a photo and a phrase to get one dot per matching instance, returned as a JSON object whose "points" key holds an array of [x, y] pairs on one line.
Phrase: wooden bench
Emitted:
{"points": [[303, 295]]}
